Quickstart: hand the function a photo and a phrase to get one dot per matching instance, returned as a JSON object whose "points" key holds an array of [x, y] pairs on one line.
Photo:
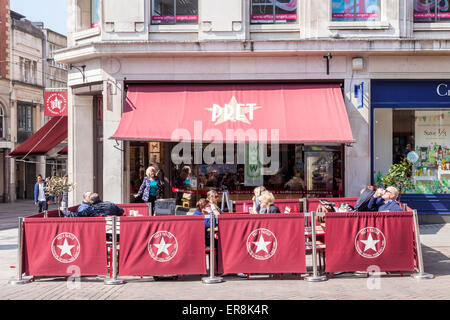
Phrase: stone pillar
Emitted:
{"points": [[113, 152], [80, 141], [12, 161], [357, 156]]}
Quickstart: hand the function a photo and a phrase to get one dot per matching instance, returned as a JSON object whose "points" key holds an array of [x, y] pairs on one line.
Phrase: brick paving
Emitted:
{"points": [[436, 251]]}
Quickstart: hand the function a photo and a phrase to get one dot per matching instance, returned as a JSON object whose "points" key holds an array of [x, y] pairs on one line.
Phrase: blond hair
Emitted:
{"points": [[267, 196], [150, 169], [259, 190]]}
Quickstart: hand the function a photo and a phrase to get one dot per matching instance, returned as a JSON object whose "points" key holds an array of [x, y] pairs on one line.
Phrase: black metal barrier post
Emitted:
{"points": [[421, 275], [19, 279], [113, 256], [212, 252], [315, 276]]}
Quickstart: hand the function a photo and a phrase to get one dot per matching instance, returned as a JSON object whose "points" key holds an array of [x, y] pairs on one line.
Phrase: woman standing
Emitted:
{"points": [[151, 188]]}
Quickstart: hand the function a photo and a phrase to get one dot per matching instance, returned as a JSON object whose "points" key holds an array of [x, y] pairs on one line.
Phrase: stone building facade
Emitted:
{"points": [[115, 43]]}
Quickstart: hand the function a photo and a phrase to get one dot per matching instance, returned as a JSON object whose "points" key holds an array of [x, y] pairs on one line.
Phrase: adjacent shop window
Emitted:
{"points": [[272, 11], [24, 122], [174, 11], [423, 137], [431, 11], [95, 13], [355, 10]]}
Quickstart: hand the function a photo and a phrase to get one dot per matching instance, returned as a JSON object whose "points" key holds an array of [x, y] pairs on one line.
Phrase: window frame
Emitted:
{"points": [[174, 23], [381, 24], [432, 23], [274, 14]]}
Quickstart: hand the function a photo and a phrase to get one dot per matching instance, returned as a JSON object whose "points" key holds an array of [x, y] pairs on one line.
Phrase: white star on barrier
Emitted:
{"points": [[370, 243], [262, 245], [162, 247], [66, 249]]}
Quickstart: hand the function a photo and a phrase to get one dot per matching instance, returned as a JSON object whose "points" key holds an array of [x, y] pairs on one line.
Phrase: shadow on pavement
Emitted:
{"points": [[435, 262]]}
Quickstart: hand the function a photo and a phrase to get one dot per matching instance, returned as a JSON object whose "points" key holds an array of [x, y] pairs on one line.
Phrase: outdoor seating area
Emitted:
{"points": [[140, 244]]}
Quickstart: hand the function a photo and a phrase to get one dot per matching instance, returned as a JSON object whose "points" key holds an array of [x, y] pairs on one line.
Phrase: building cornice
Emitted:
{"points": [[297, 47]]}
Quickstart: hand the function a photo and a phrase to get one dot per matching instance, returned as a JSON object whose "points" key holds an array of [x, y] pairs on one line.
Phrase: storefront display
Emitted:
{"points": [[271, 11], [415, 117]]}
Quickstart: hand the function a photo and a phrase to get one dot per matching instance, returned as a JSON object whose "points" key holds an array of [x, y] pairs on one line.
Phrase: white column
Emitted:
{"points": [[357, 157], [12, 161], [113, 156], [80, 141]]}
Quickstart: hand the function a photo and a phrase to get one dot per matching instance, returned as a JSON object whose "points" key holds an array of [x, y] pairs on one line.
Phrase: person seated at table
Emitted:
{"points": [[213, 197], [203, 208], [104, 208], [365, 195], [257, 193], [385, 200], [85, 209], [267, 200]]}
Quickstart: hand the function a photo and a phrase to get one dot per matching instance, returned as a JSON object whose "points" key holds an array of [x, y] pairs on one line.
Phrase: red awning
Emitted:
{"points": [[300, 113], [45, 139]]}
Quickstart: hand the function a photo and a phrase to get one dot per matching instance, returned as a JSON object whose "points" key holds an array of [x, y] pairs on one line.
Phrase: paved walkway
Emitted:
{"points": [[436, 250]]}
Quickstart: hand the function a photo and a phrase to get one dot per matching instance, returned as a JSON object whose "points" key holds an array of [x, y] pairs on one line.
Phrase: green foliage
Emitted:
{"points": [[399, 176]]}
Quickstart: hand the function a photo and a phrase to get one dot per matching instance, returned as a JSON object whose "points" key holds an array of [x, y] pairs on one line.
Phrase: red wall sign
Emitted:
{"points": [[55, 103]]}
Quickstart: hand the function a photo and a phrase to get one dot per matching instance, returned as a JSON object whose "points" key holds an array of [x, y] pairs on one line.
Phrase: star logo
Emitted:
{"points": [[65, 247], [233, 111], [261, 244], [162, 246], [56, 103], [370, 242]]}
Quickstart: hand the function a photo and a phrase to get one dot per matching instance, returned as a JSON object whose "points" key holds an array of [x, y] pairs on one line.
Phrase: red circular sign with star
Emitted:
{"points": [[65, 247], [162, 246], [370, 242], [55, 103], [261, 244]]}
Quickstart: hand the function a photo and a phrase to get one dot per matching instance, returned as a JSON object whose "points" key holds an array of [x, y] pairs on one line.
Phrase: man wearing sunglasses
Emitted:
{"points": [[385, 200]]}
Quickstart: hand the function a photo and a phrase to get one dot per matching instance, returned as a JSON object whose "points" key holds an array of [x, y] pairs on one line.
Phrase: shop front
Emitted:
{"points": [[288, 137], [411, 119]]}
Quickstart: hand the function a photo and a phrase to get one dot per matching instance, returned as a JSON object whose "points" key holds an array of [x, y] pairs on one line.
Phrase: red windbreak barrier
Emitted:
{"points": [[139, 208], [269, 243], [292, 204], [312, 203], [64, 246], [162, 245], [355, 241]]}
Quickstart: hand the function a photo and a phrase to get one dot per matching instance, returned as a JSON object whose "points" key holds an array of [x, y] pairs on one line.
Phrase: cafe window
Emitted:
{"points": [[355, 10], [174, 11], [270, 11], [314, 171], [431, 11], [423, 137]]}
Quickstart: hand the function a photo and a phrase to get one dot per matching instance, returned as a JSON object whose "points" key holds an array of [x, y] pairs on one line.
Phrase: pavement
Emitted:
{"points": [[436, 252]]}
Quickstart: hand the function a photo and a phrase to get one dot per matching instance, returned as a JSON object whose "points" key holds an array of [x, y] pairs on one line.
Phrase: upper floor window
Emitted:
{"points": [[174, 11], [95, 13], [273, 11], [431, 11], [355, 10], [24, 122]]}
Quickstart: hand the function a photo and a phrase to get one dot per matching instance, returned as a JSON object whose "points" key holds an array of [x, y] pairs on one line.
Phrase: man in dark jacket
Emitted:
{"points": [[385, 200], [85, 209], [102, 208]]}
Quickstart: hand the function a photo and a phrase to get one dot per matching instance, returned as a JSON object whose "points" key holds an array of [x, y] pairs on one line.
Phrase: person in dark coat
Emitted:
{"points": [[151, 188], [364, 198], [85, 209], [385, 200], [104, 208]]}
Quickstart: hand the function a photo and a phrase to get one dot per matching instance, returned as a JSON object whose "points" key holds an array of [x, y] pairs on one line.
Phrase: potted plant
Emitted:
{"points": [[399, 176], [57, 187]]}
